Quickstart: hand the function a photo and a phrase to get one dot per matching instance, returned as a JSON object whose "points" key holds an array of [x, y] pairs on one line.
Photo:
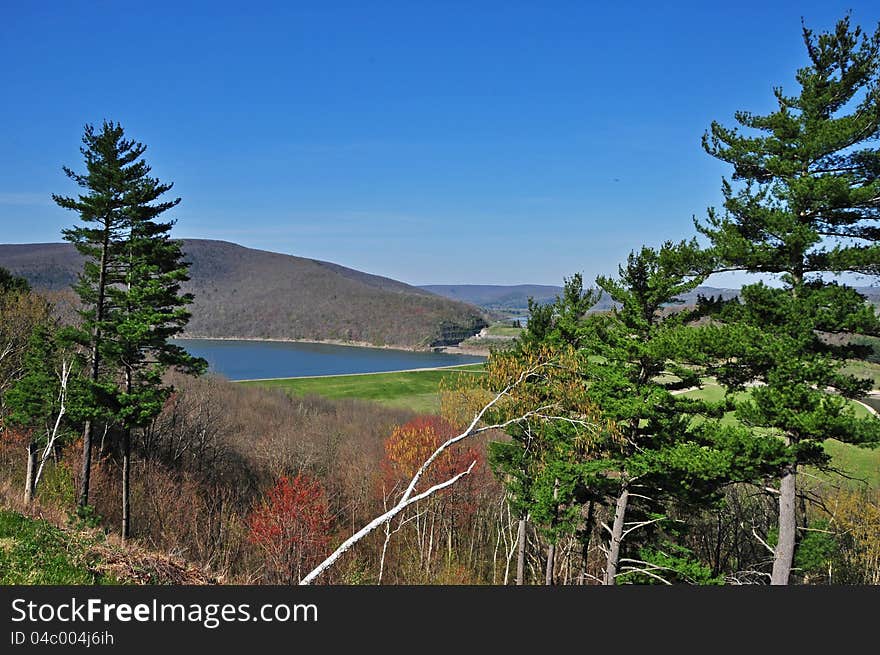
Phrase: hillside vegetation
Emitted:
{"points": [[241, 292], [36, 552]]}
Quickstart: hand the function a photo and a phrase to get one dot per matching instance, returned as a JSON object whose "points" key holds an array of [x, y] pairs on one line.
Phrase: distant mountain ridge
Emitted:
{"points": [[514, 298], [495, 296], [242, 292]]}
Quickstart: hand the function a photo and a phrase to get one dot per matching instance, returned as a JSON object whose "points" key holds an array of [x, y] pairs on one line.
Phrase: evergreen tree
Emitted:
{"points": [[21, 312], [633, 375], [10, 283], [151, 309], [113, 180], [806, 195], [130, 290]]}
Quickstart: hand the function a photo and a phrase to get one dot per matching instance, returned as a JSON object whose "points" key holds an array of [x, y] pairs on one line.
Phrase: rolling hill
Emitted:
{"points": [[247, 293]]}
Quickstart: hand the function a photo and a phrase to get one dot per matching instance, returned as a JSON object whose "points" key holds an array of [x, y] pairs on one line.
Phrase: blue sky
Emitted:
{"points": [[447, 142]]}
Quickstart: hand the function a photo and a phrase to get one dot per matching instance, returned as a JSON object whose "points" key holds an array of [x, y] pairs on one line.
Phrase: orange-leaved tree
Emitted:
{"points": [[449, 513]]}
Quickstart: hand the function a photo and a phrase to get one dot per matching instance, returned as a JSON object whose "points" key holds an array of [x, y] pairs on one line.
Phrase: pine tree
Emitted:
{"points": [[10, 283], [113, 177], [151, 309], [130, 291], [633, 376], [21, 312], [801, 203]]}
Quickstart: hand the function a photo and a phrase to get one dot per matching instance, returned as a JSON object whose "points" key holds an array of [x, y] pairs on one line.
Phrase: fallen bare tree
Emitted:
{"points": [[537, 369]]}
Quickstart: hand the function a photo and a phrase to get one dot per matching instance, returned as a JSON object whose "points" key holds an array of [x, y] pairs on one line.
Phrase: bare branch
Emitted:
{"points": [[380, 520], [408, 498], [647, 571], [762, 542], [640, 524], [56, 429], [472, 429]]}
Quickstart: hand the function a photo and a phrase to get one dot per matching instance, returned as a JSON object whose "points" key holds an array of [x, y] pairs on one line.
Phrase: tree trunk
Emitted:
{"points": [[551, 549], [784, 555], [88, 428], [548, 573], [616, 537], [521, 552], [86, 464], [126, 466], [585, 544], [30, 475], [126, 484]]}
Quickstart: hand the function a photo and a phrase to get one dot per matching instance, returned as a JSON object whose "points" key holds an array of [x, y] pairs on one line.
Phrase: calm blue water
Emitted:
{"points": [[248, 360]]}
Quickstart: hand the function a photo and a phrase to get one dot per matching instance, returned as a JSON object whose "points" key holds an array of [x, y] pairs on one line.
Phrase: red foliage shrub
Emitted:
{"points": [[291, 527]]}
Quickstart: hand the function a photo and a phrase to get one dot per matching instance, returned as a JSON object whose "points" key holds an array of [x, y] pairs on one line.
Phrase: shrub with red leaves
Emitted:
{"points": [[292, 528]]}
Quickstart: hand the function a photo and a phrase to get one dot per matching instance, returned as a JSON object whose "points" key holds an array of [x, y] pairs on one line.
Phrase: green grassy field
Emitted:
{"points": [[859, 463], [415, 390], [500, 330], [864, 369]]}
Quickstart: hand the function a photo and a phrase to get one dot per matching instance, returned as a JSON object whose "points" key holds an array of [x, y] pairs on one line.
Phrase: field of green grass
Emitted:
{"points": [[415, 390], [864, 369], [858, 463], [501, 330]]}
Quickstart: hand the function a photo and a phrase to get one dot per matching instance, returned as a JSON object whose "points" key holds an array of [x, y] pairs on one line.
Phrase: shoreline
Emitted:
{"points": [[346, 375], [451, 350]]}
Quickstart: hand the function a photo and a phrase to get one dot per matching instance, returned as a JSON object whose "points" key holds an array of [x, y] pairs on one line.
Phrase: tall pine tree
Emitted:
{"points": [[801, 204], [151, 309], [113, 175], [129, 288], [634, 377]]}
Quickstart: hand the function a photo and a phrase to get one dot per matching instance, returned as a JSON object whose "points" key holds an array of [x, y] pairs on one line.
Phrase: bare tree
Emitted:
{"points": [[53, 434], [410, 497]]}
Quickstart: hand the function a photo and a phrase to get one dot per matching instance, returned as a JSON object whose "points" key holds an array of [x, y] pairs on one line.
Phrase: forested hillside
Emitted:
{"points": [[241, 292]]}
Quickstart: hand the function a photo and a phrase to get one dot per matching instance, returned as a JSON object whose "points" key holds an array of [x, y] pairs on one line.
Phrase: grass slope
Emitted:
{"points": [[35, 552], [415, 390]]}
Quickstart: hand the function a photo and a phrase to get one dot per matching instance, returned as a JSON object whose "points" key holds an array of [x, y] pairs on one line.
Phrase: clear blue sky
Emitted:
{"points": [[447, 142]]}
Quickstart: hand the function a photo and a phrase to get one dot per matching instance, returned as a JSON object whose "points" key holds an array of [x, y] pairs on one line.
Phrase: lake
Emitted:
{"points": [[250, 360]]}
